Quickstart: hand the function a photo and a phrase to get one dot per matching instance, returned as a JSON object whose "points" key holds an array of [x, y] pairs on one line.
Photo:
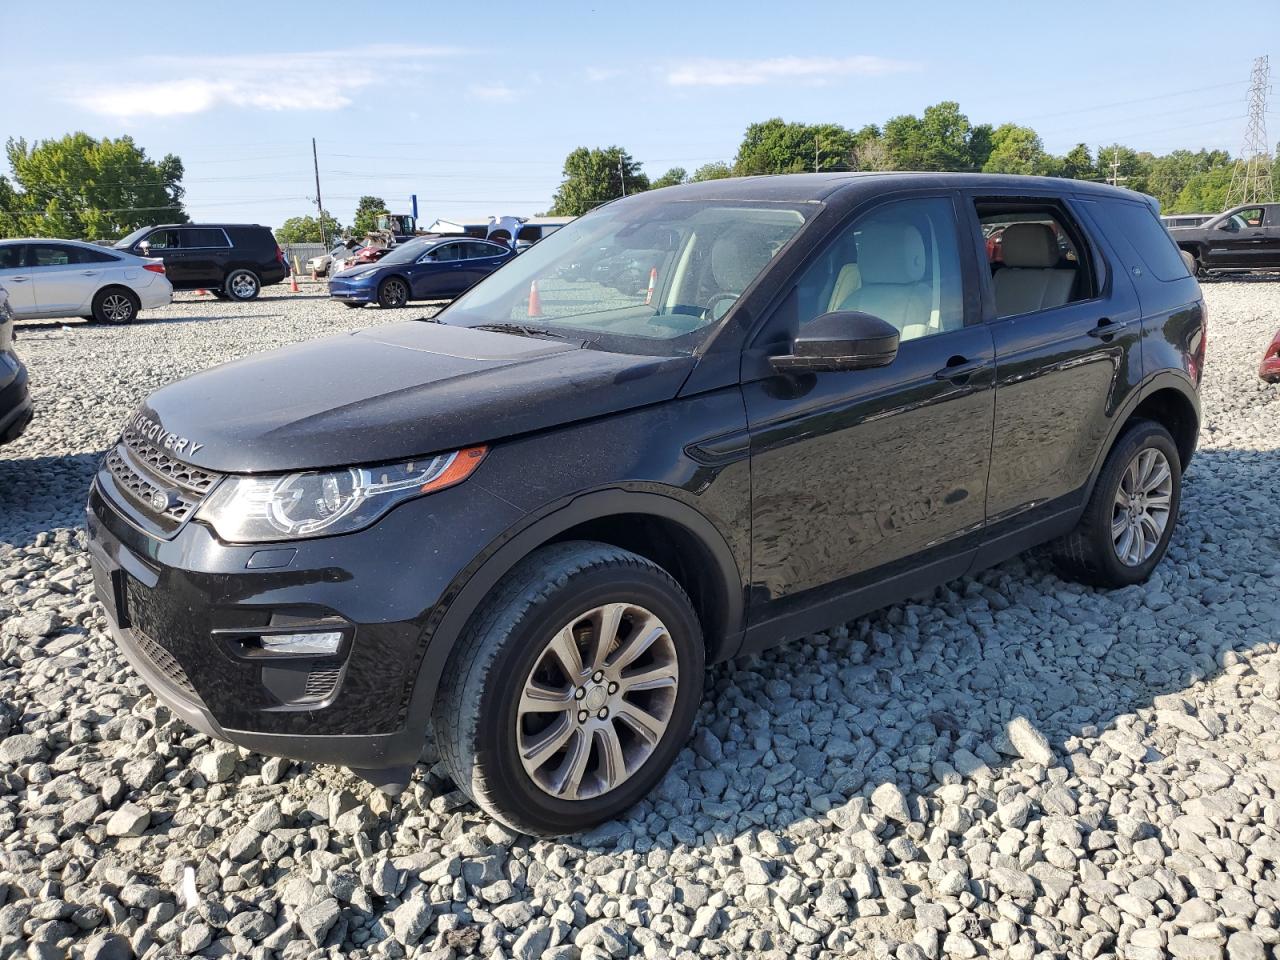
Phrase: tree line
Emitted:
{"points": [[941, 138]]}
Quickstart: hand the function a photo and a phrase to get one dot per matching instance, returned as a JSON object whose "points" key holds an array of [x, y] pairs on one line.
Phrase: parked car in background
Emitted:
{"points": [[1269, 369], [70, 278], [529, 524], [428, 268], [360, 257], [1176, 221], [320, 265], [234, 260], [15, 400], [1242, 239]]}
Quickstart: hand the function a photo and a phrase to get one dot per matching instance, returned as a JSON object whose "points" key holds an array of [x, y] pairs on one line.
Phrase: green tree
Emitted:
{"points": [[1204, 192], [1016, 149], [1077, 164], [938, 140], [1132, 168], [671, 178], [596, 176], [367, 211], [776, 146], [84, 188], [307, 229], [717, 170]]}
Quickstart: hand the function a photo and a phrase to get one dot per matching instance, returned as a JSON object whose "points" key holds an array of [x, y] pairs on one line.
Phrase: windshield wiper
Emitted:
{"points": [[519, 329]]}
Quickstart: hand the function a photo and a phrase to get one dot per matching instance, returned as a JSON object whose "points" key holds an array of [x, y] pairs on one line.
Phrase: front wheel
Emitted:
{"points": [[1126, 527], [242, 285], [394, 292], [572, 690], [116, 305]]}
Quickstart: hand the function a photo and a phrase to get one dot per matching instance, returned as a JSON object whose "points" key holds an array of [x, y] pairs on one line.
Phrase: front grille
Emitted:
{"points": [[163, 661], [320, 682], [141, 470]]}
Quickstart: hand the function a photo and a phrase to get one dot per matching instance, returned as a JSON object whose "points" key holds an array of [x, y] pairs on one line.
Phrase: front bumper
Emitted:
{"points": [[16, 409], [353, 292], [180, 607]]}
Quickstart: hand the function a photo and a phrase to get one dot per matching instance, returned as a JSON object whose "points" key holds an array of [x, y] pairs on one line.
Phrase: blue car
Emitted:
{"points": [[426, 268]]}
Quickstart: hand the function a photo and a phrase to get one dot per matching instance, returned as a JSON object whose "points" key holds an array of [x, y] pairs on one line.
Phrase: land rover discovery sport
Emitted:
{"points": [[529, 523]]}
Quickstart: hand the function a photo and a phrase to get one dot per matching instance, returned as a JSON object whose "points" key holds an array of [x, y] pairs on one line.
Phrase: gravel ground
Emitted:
{"points": [[1013, 766]]}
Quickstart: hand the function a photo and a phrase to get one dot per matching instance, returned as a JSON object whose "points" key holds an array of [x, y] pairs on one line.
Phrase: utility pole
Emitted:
{"points": [[1251, 175], [315, 163], [1115, 179], [815, 151], [622, 173]]}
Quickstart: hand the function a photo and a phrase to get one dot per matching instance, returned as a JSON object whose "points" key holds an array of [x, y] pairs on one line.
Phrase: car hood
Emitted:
{"points": [[394, 392]]}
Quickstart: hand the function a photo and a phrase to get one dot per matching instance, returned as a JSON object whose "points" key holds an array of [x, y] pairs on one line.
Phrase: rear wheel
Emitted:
{"points": [[393, 292], [116, 305], [572, 690], [1126, 527], [242, 285]]}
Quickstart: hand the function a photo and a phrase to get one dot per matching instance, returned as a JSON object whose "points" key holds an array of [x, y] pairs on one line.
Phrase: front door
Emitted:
{"points": [[1239, 240], [440, 272], [859, 476], [165, 244]]}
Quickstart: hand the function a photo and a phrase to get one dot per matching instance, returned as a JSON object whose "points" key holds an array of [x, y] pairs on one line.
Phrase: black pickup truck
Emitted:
{"points": [[1244, 238]]}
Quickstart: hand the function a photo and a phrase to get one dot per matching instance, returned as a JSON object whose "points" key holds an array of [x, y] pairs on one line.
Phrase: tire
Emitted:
{"points": [[478, 719], [393, 292], [242, 285], [1090, 553], [116, 305]]}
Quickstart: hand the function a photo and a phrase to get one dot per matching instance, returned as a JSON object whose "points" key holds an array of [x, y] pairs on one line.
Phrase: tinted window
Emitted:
{"points": [[1153, 245], [202, 237], [474, 251], [11, 257], [51, 255], [448, 251], [900, 262], [95, 256], [162, 239]]}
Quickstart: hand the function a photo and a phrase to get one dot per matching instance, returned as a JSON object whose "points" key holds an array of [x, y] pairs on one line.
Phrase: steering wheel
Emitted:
{"points": [[710, 312]]}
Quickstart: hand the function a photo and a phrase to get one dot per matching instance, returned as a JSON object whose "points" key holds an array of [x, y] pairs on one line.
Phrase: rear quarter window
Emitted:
{"points": [[1137, 225]]}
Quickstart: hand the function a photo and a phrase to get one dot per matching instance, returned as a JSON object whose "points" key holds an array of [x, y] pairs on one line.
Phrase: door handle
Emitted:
{"points": [[1108, 328], [16, 279], [959, 369], [88, 273]]}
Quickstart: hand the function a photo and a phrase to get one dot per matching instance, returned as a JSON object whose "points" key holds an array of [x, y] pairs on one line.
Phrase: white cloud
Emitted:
{"points": [[494, 93], [601, 74], [312, 80], [808, 70]]}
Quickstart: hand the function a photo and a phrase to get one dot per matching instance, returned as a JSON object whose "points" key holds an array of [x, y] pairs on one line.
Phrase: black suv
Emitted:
{"points": [[531, 521], [15, 401], [234, 260]]}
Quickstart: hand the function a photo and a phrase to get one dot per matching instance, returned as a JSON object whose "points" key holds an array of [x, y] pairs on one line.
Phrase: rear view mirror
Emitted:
{"points": [[840, 340]]}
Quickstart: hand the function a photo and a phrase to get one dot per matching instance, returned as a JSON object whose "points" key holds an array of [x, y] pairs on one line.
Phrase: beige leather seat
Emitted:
{"points": [[1029, 280], [888, 280]]}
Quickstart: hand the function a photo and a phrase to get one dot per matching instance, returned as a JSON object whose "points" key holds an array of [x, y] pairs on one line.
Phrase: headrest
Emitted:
{"points": [[891, 253], [736, 257], [1029, 245]]}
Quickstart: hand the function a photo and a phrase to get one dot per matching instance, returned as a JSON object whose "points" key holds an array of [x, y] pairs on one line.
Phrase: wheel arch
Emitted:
{"points": [[1170, 399], [660, 528]]}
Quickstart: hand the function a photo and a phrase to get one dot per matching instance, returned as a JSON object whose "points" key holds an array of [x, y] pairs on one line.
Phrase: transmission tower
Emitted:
{"points": [[1251, 177]]}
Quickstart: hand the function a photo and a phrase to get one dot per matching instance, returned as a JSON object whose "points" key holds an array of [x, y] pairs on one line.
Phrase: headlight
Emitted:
{"points": [[316, 503]]}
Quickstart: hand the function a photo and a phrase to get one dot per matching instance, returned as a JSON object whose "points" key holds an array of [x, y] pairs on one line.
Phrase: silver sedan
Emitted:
{"points": [[69, 278]]}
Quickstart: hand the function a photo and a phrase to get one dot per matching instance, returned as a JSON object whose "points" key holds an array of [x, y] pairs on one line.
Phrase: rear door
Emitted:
{"points": [[1066, 326], [17, 280], [481, 259], [205, 251], [63, 283]]}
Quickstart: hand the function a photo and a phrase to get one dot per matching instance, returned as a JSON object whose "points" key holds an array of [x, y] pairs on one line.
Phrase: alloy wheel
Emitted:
{"points": [[243, 286], [117, 308], [1142, 507], [597, 702], [394, 294]]}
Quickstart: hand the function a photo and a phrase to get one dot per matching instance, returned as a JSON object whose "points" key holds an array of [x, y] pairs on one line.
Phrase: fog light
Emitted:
{"points": [[317, 644]]}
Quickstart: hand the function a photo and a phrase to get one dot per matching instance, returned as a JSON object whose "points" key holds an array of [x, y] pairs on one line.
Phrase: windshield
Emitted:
{"points": [[406, 252], [127, 242], [647, 277]]}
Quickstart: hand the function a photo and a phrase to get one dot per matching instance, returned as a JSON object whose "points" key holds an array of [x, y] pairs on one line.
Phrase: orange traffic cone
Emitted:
{"points": [[202, 292], [535, 302], [293, 283], [653, 278]]}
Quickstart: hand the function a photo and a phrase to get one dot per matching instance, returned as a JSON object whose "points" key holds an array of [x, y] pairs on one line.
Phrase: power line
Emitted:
{"points": [[1125, 103]]}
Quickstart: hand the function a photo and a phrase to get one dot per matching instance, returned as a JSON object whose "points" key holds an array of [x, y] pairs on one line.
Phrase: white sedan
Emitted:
{"points": [[68, 278]]}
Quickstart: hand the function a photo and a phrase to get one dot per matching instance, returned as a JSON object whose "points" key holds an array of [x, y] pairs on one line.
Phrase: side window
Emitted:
{"points": [[449, 251], [95, 256], [1037, 256], [1137, 226], [12, 256], [162, 239], [202, 238], [1248, 218], [899, 262], [476, 251], [51, 255]]}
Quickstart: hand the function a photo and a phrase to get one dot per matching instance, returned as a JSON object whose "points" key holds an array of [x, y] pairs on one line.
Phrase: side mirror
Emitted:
{"points": [[1228, 225], [840, 340], [145, 248]]}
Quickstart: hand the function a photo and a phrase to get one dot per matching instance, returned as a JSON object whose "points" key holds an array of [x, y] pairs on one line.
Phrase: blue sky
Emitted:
{"points": [[473, 105]]}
